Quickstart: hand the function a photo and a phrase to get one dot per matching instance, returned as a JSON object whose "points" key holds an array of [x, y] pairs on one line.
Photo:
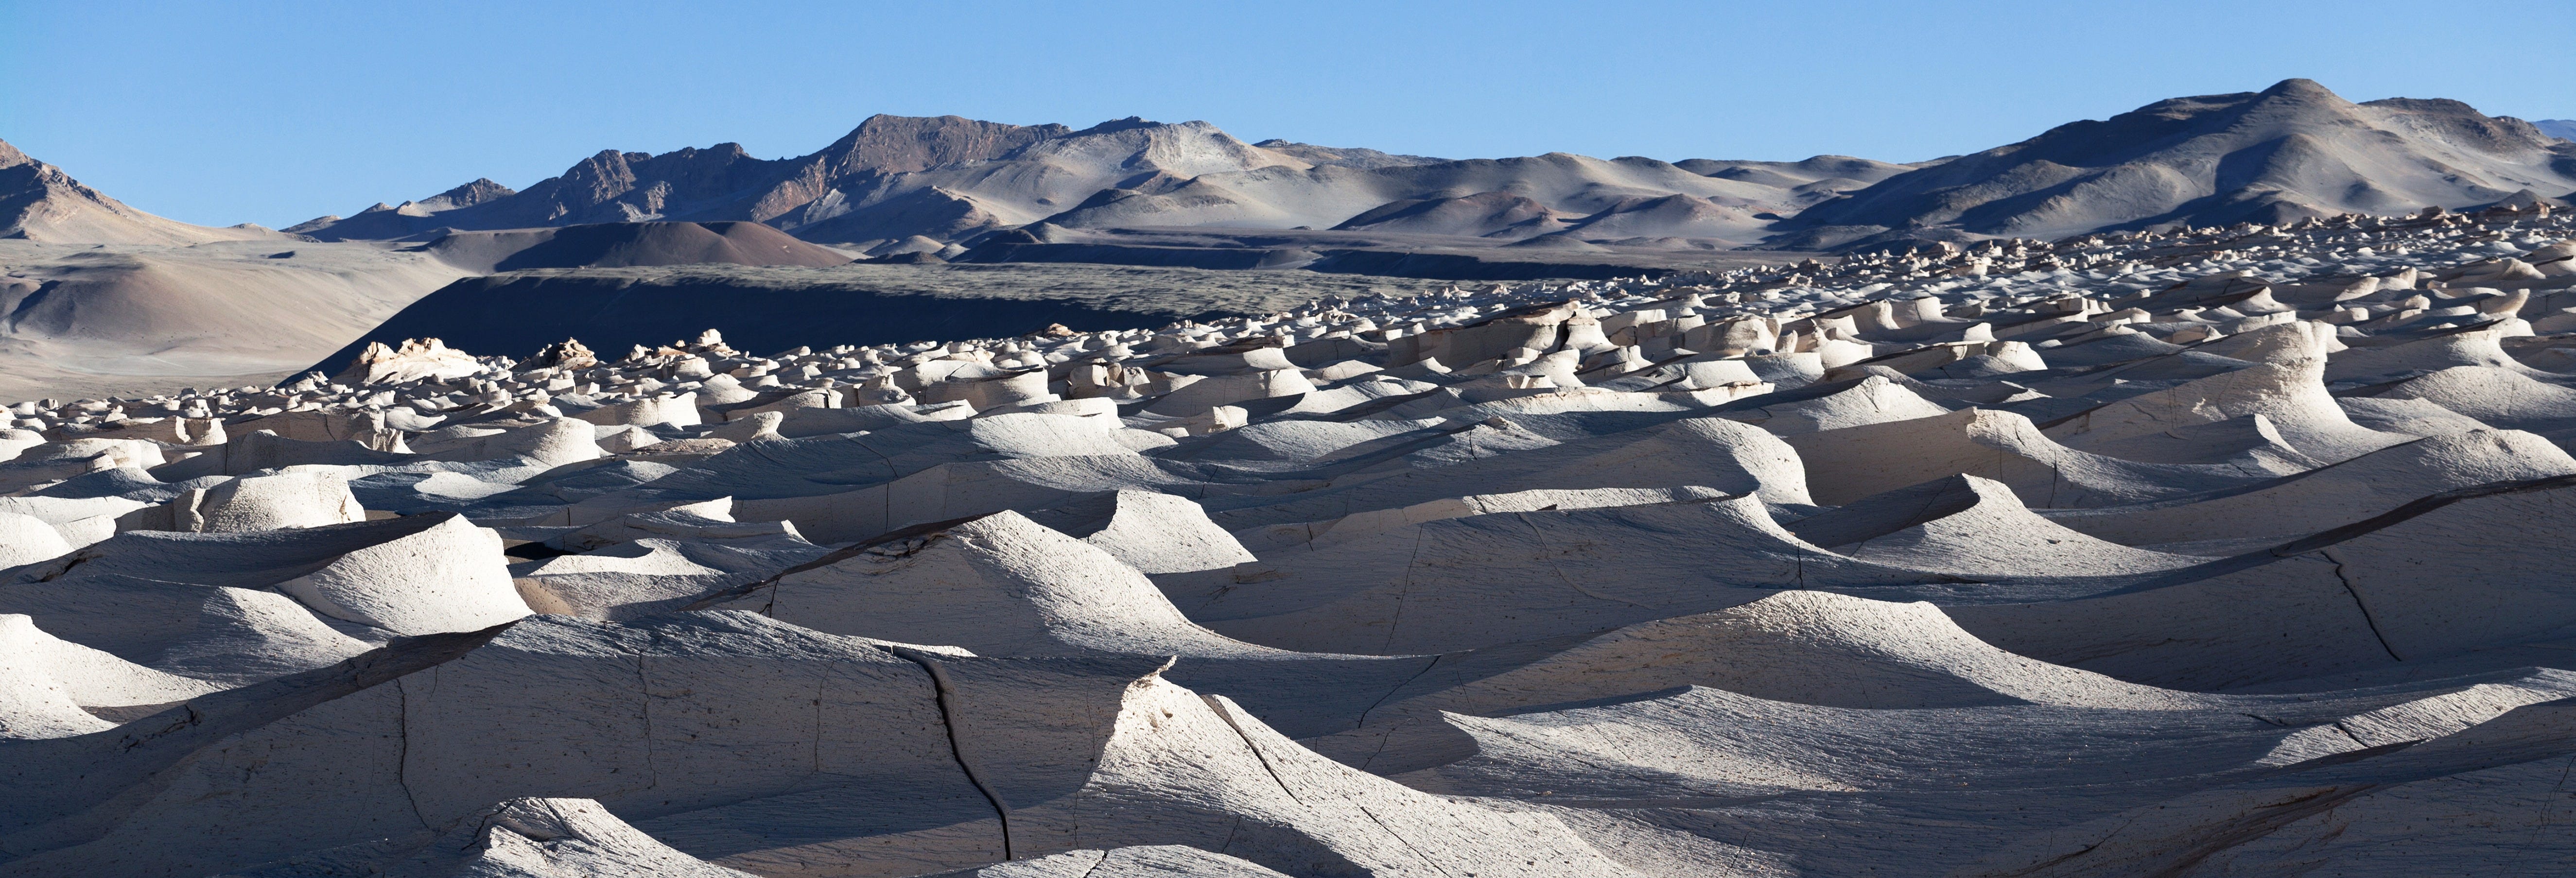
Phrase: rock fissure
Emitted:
{"points": [[951, 719]]}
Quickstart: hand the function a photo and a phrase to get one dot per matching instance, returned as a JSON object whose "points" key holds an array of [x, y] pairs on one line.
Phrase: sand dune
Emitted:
{"points": [[623, 245], [147, 318]]}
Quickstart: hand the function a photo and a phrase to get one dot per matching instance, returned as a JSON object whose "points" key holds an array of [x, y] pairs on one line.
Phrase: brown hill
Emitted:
{"points": [[38, 202], [621, 245]]}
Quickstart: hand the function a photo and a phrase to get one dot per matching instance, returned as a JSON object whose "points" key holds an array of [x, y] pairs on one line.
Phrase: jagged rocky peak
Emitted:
{"points": [[1131, 123], [480, 191], [613, 186], [900, 144]]}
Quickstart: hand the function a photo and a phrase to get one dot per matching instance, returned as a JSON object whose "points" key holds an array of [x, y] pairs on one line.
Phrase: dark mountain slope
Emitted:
{"points": [[620, 245]]}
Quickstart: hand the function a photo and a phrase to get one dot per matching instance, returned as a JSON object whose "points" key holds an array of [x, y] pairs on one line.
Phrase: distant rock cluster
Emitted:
{"points": [[2219, 550]]}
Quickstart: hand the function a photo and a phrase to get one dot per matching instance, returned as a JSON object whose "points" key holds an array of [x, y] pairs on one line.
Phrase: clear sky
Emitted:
{"points": [[225, 112]]}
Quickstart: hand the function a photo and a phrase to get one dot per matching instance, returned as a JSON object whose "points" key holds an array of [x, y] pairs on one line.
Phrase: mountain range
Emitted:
{"points": [[955, 180], [2289, 151], [97, 296], [937, 185]]}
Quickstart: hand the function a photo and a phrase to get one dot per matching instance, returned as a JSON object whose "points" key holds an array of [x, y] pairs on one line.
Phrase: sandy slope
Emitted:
{"points": [[82, 319]]}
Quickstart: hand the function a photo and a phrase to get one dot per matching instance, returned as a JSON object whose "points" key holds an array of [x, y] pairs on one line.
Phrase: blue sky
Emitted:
{"points": [[274, 113]]}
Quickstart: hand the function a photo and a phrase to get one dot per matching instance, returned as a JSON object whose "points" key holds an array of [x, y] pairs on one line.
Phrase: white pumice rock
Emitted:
{"points": [[1158, 533], [1849, 463], [1000, 586], [51, 688], [995, 759], [40, 465], [2166, 551], [526, 836], [670, 411], [1144, 861], [418, 575], [413, 360], [2348, 492], [267, 502], [1969, 526], [26, 539], [223, 634]]}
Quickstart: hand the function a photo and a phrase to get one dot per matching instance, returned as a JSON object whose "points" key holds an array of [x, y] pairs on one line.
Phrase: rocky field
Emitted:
{"points": [[2213, 551]]}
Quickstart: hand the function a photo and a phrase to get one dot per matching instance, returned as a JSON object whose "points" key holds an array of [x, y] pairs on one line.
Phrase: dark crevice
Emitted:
{"points": [[402, 748], [1390, 692], [2332, 536], [1399, 837], [1257, 755], [836, 556], [2366, 617], [948, 720], [1230, 832], [644, 698], [1398, 620]]}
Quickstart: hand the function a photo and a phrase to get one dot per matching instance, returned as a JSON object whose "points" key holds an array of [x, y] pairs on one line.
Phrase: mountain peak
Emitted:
{"points": [[2294, 149], [903, 144], [40, 202], [2295, 87], [1114, 126], [482, 190]]}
